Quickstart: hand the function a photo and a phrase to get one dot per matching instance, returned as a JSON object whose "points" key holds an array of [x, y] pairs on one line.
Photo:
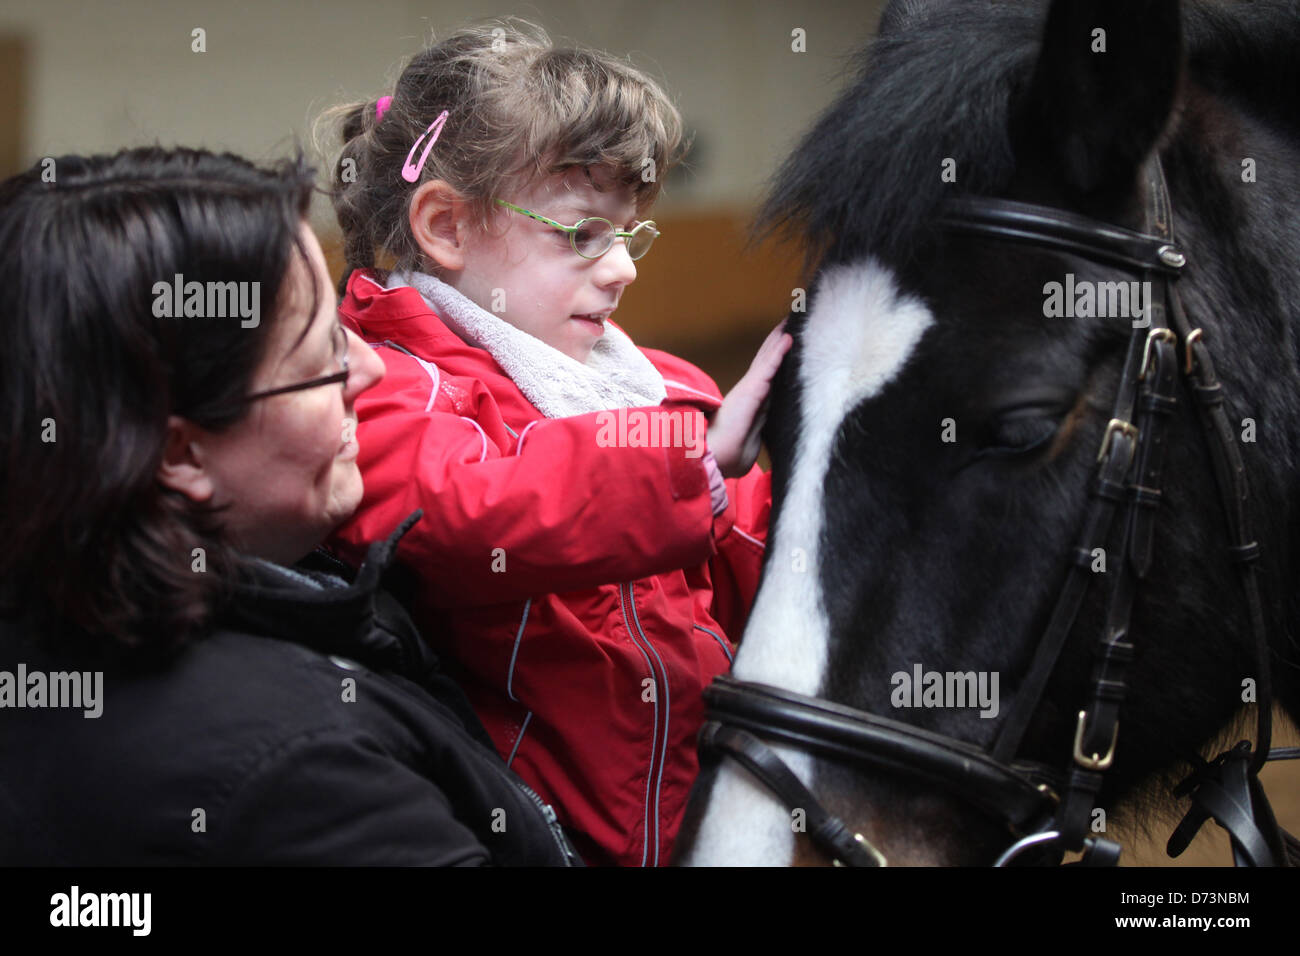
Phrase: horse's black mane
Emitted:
{"points": [[943, 81]]}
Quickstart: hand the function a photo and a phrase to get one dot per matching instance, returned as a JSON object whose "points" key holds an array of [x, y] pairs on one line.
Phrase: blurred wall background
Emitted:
{"points": [[81, 76]]}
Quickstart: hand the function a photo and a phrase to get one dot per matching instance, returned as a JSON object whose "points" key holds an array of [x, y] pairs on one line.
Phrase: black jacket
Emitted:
{"points": [[313, 726]]}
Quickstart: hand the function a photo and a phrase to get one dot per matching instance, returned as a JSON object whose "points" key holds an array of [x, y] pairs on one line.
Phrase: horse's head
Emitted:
{"points": [[936, 427]]}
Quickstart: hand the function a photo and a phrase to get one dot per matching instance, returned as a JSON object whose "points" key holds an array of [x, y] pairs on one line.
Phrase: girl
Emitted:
{"points": [[586, 549]]}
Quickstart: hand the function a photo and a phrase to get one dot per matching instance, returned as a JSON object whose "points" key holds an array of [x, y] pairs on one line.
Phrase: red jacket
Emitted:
{"points": [[586, 592]]}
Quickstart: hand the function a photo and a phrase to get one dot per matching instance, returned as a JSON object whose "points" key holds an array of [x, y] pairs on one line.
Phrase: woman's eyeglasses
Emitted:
{"points": [[592, 237], [340, 356]]}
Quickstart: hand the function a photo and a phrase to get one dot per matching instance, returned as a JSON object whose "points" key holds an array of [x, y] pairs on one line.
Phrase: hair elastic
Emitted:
{"points": [[412, 173], [381, 107]]}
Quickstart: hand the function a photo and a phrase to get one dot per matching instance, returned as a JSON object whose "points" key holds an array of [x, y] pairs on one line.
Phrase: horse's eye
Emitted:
{"points": [[1020, 432], [1023, 434]]}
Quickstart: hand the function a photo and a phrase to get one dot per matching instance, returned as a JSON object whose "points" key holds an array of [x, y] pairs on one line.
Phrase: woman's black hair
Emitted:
{"points": [[94, 361]]}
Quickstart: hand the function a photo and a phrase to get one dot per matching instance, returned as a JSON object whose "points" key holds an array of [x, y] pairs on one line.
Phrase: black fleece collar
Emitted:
{"points": [[321, 604]]}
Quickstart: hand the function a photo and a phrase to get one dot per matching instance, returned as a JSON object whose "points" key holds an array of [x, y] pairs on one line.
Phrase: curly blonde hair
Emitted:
{"points": [[520, 109]]}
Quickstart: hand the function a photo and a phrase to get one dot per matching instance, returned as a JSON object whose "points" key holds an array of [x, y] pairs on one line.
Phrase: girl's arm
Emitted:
{"points": [[741, 537], [563, 511], [741, 531]]}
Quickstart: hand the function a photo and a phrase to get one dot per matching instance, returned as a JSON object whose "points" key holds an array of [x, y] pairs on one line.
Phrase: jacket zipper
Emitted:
{"points": [[721, 643], [548, 813], [659, 746], [667, 698], [571, 857]]}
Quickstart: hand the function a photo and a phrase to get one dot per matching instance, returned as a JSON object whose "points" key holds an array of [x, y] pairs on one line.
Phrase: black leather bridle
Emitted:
{"points": [[1047, 809]]}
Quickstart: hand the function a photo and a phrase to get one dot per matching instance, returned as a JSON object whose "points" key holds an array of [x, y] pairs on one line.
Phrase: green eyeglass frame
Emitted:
{"points": [[594, 236]]}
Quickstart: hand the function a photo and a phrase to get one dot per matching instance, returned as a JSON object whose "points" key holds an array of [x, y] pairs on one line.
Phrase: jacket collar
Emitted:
{"points": [[401, 316], [320, 604], [615, 375]]}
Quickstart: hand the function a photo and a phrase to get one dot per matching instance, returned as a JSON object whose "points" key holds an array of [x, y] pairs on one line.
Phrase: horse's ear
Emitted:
{"points": [[1104, 87]]}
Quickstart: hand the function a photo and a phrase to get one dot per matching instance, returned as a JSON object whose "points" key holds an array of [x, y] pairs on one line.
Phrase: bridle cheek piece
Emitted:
{"points": [[1047, 810]]}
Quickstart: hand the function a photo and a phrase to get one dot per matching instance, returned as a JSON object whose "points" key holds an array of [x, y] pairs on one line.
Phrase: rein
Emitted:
{"points": [[1048, 809]]}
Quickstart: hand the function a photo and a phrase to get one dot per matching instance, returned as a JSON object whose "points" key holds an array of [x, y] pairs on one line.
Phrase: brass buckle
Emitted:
{"points": [[1095, 762], [1165, 335], [1127, 429], [1193, 337], [866, 845]]}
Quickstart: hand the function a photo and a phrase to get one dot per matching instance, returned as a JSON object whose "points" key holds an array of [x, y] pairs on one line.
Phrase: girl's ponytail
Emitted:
{"points": [[349, 193]]}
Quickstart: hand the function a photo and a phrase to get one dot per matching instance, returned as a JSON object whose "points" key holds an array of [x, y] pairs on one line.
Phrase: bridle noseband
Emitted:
{"points": [[1043, 807]]}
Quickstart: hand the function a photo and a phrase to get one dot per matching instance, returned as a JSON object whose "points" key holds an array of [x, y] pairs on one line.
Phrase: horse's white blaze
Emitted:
{"points": [[860, 334]]}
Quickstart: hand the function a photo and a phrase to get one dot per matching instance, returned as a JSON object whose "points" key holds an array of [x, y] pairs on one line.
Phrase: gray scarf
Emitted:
{"points": [[616, 375]]}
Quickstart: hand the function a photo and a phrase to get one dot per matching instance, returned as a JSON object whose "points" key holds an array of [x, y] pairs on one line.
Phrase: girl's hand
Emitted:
{"points": [[735, 432]]}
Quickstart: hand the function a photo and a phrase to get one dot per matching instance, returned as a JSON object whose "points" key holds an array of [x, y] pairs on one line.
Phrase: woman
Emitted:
{"points": [[178, 400]]}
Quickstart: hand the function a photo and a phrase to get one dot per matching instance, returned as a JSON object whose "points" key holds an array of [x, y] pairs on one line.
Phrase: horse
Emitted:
{"points": [[1035, 450]]}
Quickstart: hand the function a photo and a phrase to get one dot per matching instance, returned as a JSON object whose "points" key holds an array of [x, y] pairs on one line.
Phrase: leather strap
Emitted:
{"points": [[1062, 230], [1106, 494], [826, 830], [1156, 379], [1223, 791], [1019, 795], [1230, 478]]}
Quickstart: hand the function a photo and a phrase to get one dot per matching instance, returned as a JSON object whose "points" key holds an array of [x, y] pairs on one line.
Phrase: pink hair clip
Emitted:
{"points": [[412, 173], [381, 107]]}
